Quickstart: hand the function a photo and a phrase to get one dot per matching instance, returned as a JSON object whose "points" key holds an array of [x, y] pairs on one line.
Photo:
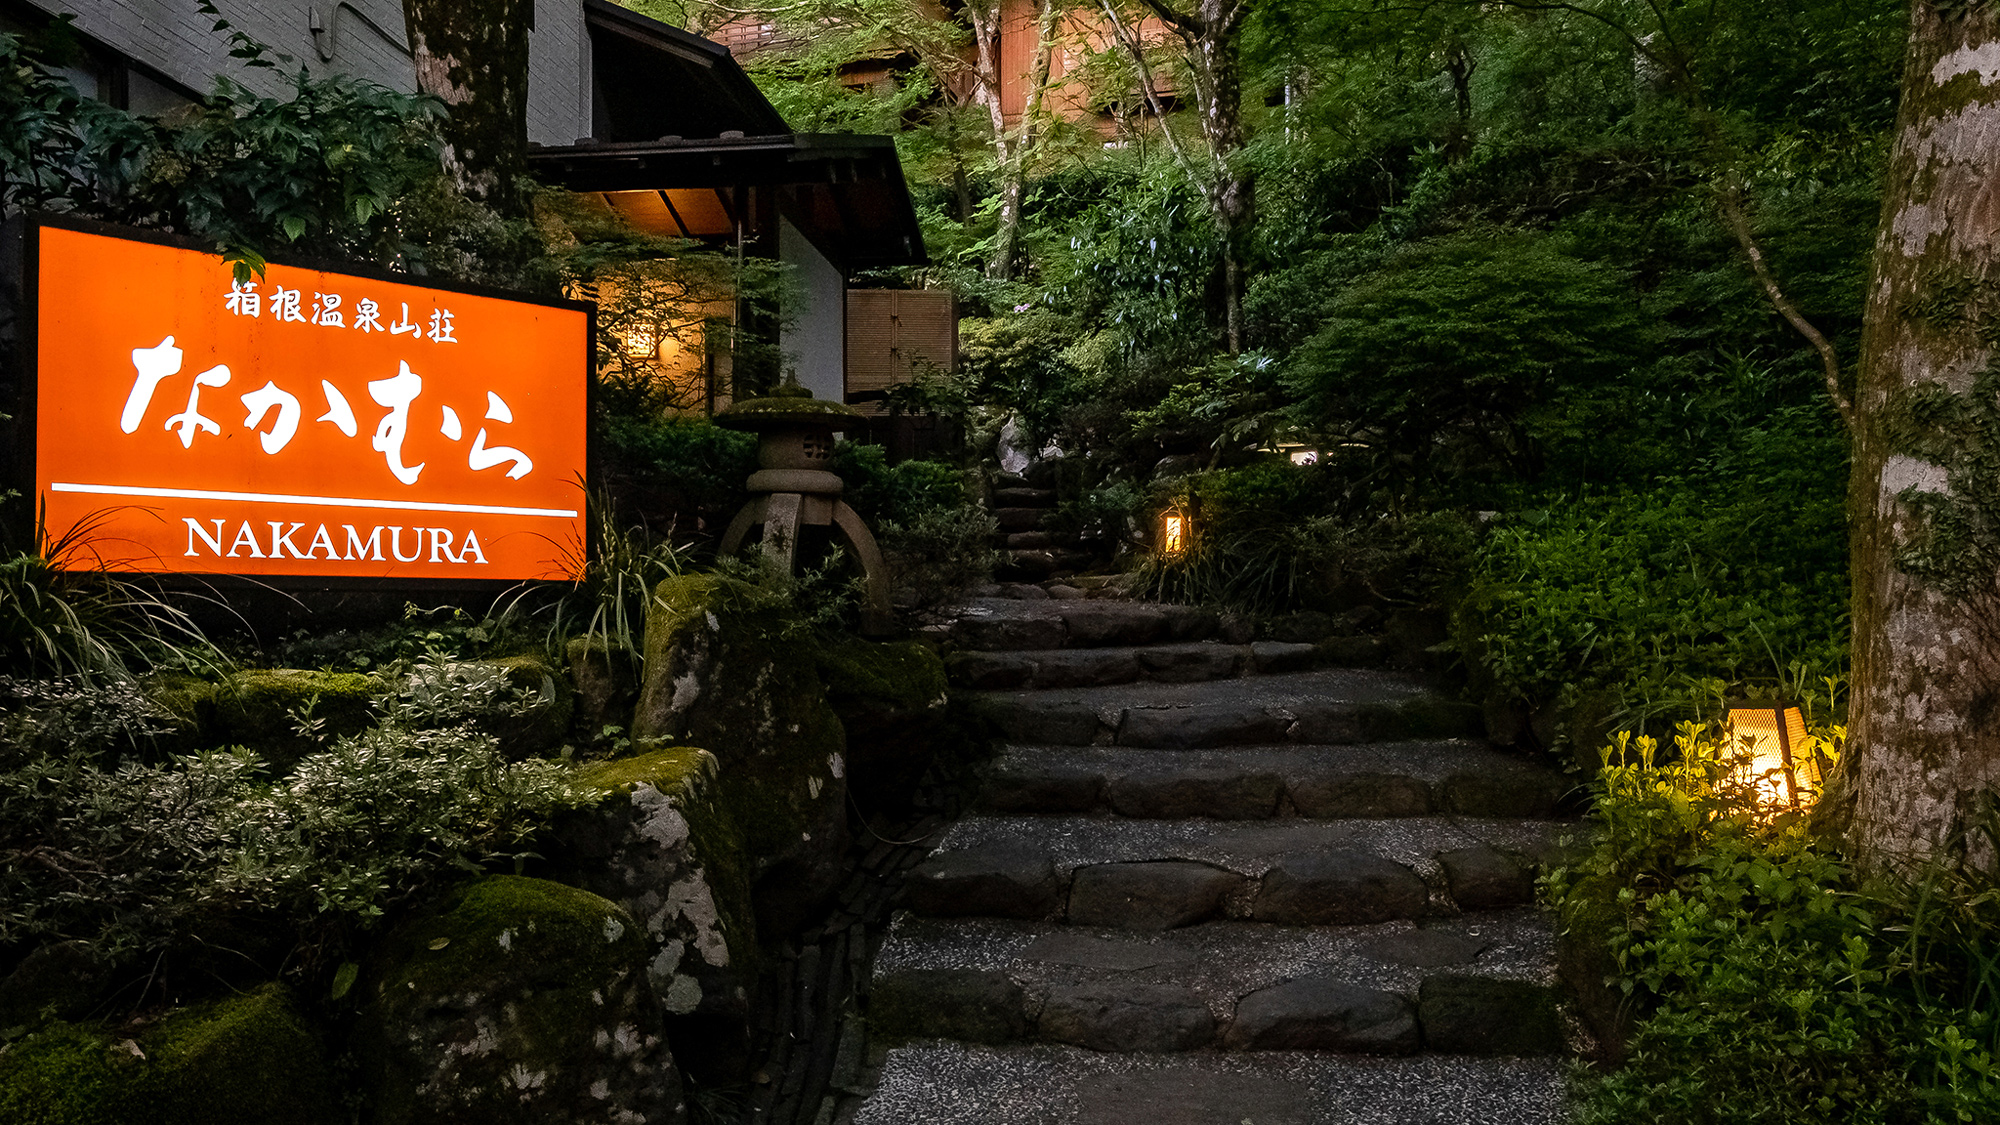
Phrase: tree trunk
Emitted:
{"points": [[1212, 33], [1923, 748], [1014, 169], [473, 56]]}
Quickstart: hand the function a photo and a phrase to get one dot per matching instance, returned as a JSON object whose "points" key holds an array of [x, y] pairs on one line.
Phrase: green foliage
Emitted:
{"points": [[1775, 985], [245, 1060], [1457, 352], [699, 466], [1644, 593], [1275, 536], [134, 857], [62, 615]]}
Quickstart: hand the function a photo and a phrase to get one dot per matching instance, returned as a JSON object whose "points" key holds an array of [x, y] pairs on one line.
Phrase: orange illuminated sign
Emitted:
{"points": [[307, 423]]}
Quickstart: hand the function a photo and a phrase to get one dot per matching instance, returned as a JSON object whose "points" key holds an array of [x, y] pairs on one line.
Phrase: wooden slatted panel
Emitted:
{"points": [[889, 331]]}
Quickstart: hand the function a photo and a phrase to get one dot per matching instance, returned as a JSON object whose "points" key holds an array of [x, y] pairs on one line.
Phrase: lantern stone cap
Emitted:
{"points": [[788, 407]]}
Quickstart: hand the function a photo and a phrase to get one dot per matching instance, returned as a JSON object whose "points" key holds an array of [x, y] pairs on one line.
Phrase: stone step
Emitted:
{"points": [[1370, 780], [1164, 874], [955, 1084], [1328, 706], [1189, 662], [1020, 497], [1008, 624], [1482, 985]]}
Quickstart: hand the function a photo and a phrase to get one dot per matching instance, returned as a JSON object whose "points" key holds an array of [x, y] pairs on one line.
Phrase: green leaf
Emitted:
{"points": [[343, 979]]}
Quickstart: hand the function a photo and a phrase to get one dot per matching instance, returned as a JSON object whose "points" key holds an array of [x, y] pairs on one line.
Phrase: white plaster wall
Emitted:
{"points": [[814, 339]]}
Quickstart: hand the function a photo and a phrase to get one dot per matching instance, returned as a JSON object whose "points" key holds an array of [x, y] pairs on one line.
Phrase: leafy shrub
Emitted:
{"points": [[1775, 984], [1453, 358], [1276, 536], [58, 619], [695, 466], [136, 857], [1642, 594], [105, 720]]}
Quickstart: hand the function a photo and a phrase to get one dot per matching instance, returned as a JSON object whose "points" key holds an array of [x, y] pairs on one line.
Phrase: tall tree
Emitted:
{"points": [[1212, 33], [1011, 146], [1923, 753], [473, 56]]}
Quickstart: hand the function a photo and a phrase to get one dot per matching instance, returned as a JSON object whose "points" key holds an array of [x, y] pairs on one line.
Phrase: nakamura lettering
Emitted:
{"points": [[283, 540]]}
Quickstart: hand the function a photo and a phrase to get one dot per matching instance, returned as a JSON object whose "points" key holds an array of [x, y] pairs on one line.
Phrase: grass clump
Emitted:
{"points": [[1770, 981]]}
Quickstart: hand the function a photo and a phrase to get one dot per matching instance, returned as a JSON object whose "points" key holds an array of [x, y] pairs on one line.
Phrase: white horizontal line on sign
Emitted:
{"points": [[323, 501]]}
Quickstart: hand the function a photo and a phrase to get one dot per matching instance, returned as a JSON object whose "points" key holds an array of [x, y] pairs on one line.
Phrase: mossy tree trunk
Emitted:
{"points": [[473, 56], [1924, 730]]}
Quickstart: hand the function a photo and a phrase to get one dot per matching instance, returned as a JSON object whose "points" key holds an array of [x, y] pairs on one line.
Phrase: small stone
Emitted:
{"points": [[1127, 1016], [1064, 593], [1044, 787], [1235, 629], [1185, 728], [1326, 723], [1030, 540], [1351, 652], [1027, 592], [1467, 1015], [1361, 795], [1116, 624], [1040, 722], [1073, 947], [976, 1005], [1300, 628], [1482, 878], [1271, 657], [1155, 895], [1428, 949], [1008, 633], [1017, 882], [1019, 519], [1318, 1014], [1222, 792], [1517, 792], [1338, 888], [1191, 664]]}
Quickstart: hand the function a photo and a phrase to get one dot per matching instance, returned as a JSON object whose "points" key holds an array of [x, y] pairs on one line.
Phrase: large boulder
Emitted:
{"points": [[245, 1060], [651, 836], [729, 667], [892, 701], [515, 1000]]}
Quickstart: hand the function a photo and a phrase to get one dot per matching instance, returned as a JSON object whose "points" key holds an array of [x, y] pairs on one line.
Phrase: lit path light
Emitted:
{"points": [[1782, 767]]}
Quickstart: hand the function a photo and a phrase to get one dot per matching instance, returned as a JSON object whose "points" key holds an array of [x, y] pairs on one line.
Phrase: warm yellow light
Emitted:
{"points": [[1173, 533], [1782, 768]]}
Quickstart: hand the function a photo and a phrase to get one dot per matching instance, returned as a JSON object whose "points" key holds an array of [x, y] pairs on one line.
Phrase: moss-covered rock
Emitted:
{"points": [[893, 703], [730, 669], [652, 836], [545, 723], [606, 682], [246, 1060], [61, 980], [515, 1000], [192, 703], [262, 708]]}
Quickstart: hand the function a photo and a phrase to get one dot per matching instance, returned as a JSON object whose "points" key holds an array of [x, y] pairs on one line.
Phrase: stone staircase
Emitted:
{"points": [[1216, 883], [1031, 546]]}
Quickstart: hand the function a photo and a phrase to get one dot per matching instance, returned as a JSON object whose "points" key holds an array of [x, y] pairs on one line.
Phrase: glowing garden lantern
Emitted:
{"points": [[1174, 529], [1773, 733]]}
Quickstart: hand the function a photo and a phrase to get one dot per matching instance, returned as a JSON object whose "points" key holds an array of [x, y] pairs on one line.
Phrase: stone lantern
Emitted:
{"points": [[793, 488]]}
